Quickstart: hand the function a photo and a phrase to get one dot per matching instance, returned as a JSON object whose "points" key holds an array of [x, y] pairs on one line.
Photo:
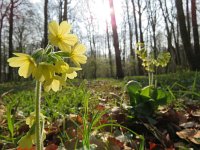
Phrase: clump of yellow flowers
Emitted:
{"points": [[49, 68], [47, 65]]}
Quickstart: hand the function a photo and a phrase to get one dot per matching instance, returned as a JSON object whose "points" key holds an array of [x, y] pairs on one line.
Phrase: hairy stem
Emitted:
{"points": [[37, 111]]}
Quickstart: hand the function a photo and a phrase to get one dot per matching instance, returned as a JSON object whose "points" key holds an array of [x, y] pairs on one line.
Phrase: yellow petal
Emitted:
{"points": [[70, 39], [80, 49], [53, 27], [16, 61], [53, 39], [72, 75], [61, 67], [79, 59], [21, 54], [64, 47], [47, 85], [76, 68], [64, 27], [25, 70], [55, 85]]}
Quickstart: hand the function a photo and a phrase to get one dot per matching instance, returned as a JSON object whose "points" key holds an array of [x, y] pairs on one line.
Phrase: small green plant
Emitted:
{"points": [[145, 100]]}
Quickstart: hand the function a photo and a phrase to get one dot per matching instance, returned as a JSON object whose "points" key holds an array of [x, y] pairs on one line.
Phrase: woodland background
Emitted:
{"points": [[109, 28]]}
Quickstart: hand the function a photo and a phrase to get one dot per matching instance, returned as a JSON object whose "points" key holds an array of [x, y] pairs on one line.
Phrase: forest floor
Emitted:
{"points": [[99, 112]]}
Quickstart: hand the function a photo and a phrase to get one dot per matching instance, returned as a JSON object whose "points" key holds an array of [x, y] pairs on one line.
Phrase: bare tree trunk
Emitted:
{"points": [[60, 10], [195, 28], [152, 13], [188, 17], [140, 21], [165, 14], [5, 78], [153, 25], [135, 21], [109, 50], [10, 70], [120, 73], [193, 59], [45, 23], [1, 27], [138, 66], [130, 39], [141, 35], [130, 31], [176, 41], [2, 16], [95, 57], [123, 32], [65, 10], [92, 42]]}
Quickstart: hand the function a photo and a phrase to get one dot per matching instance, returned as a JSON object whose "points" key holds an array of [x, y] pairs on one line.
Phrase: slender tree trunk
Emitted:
{"points": [[109, 50], [130, 39], [140, 21], [65, 10], [130, 31], [135, 21], [169, 33], [123, 32], [1, 27], [45, 23], [95, 57], [60, 11], [188, 17], [141, 35], [176, 41], [153, 25], [192, 59], [4, 63], [10, 70], [120, 73], [195, 28], [3, 14], [138, 65]]}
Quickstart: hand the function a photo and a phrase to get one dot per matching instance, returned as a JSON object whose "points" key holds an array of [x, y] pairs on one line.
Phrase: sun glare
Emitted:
{"points": [[101, 11], [35, 1]]}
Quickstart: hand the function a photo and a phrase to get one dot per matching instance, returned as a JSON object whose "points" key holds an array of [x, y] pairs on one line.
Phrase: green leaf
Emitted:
{"points": [[25, 141], [147, 91], [10, 121], [133, 88], [145, 108], [38, 53], [62, 54]]}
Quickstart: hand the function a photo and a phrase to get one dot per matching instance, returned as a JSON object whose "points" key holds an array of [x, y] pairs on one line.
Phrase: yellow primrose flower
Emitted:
{"points": [[25, 63], [59, 35], [54, 83], [70, 73], [61, 67], [43, 72], [77, 54]]}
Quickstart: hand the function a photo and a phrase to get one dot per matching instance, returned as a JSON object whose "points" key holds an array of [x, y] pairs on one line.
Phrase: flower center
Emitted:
{"points": [[59, 36]]}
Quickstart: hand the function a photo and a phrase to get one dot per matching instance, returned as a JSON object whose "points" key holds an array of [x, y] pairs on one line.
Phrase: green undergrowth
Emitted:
{"points": [[18, 98], [184, 78]]}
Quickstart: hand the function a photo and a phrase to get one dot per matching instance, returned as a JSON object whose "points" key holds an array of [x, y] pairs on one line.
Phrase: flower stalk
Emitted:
{"points": [[37, 111]]}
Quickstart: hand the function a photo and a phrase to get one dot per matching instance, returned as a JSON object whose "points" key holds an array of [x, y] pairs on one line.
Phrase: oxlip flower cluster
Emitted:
{"points": [[48, 65]]}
